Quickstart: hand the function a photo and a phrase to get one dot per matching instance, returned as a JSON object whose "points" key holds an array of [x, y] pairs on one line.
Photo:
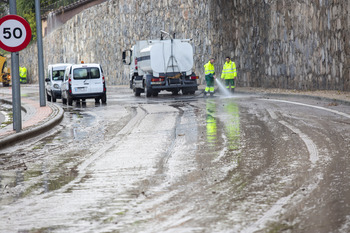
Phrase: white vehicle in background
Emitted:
{"points": [[83, 81], [160, 64], [55, 74]]}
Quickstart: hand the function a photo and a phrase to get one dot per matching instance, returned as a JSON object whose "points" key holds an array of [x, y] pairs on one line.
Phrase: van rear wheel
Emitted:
{"points": [[70, 101], [104, 98]]}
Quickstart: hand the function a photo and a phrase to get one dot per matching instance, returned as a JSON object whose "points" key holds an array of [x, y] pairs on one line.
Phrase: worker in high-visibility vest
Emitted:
{"points": [[209, 71], [229, 73], [22, 75]]}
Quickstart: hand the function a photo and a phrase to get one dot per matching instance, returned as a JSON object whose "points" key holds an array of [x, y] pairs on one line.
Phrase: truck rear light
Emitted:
{"points": [[194, 77], [135, 63], [157, 79]]}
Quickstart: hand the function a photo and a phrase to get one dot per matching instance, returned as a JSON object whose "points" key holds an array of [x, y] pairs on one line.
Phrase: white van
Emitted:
{"points": [[54, 78], [83, 81]]}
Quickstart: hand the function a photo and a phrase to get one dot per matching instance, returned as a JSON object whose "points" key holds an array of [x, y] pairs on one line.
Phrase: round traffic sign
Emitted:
{"points": [[15, 33]]}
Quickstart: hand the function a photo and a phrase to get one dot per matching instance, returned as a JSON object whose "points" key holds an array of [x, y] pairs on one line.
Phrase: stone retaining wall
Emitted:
{"points": [[286, 44], [300, 44]]}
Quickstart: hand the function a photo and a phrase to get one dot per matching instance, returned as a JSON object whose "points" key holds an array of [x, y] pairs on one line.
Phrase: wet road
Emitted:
{"points": [[183, 164]]}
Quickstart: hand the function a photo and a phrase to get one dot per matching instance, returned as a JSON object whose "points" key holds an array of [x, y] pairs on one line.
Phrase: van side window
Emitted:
{"points": [[57, 75]]}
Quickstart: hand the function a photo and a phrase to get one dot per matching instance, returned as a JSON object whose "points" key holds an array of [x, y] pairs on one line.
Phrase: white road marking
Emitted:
{"points": [[310, 145], [311, 106]]}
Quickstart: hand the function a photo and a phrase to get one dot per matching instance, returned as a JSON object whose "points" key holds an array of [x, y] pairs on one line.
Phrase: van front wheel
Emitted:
{"points": [[48, 97], [53, 97]]}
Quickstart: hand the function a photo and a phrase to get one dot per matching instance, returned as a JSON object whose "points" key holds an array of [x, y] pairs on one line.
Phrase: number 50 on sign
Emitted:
{"points": [[15, 33]]}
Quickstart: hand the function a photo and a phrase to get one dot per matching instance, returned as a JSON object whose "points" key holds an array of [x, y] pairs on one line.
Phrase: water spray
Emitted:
{"points": [[222, 88]]}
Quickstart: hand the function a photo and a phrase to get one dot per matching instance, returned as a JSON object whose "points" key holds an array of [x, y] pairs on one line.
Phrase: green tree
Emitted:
{"points": [[26, 9]]}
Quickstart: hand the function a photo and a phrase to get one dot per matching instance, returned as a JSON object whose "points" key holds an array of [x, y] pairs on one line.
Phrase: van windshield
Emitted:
{"points": [[86, 73], [57, 75]]}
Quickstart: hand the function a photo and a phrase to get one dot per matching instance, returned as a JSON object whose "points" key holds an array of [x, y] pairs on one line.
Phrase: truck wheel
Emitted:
{"points": [[48, 97], [155, 94], [148, 92], [53, 97], [70, 100], [175, 92], [137, 91]]}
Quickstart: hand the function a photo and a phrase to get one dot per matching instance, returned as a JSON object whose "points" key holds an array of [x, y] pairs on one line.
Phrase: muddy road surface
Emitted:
{"points": [[244, 163]]}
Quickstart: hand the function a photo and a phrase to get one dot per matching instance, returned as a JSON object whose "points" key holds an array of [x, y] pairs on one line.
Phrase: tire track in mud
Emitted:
{"points": [[166, 186], [140, 114], [278, 206], [311, 184], [34, 204], [311, 146]]}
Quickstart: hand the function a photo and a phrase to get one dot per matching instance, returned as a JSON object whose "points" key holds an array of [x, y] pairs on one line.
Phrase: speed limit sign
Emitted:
{"points": [[15, 33]]}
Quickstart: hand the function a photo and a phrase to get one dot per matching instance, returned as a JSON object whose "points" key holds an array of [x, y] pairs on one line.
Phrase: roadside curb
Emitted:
{"points": [[55, 117]]}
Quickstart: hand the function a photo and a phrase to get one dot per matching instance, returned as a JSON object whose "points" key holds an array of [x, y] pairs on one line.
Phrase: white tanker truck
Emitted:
{"points": [[157, 65]]}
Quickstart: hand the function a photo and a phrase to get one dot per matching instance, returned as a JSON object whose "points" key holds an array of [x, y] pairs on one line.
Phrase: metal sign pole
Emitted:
{"points": [[40, 54], [16, 90]]}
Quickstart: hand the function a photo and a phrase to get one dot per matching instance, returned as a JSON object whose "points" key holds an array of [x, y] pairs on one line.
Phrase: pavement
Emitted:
{"points": [[37, 120]]}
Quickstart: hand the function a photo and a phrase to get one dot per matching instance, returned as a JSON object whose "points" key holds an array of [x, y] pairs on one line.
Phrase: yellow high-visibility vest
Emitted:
{"points": [[22, 72], [229, 70], [209, 68]]}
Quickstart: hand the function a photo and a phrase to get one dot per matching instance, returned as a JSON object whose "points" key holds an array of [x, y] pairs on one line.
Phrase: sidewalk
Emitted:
{"points": [[35, 120]]}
